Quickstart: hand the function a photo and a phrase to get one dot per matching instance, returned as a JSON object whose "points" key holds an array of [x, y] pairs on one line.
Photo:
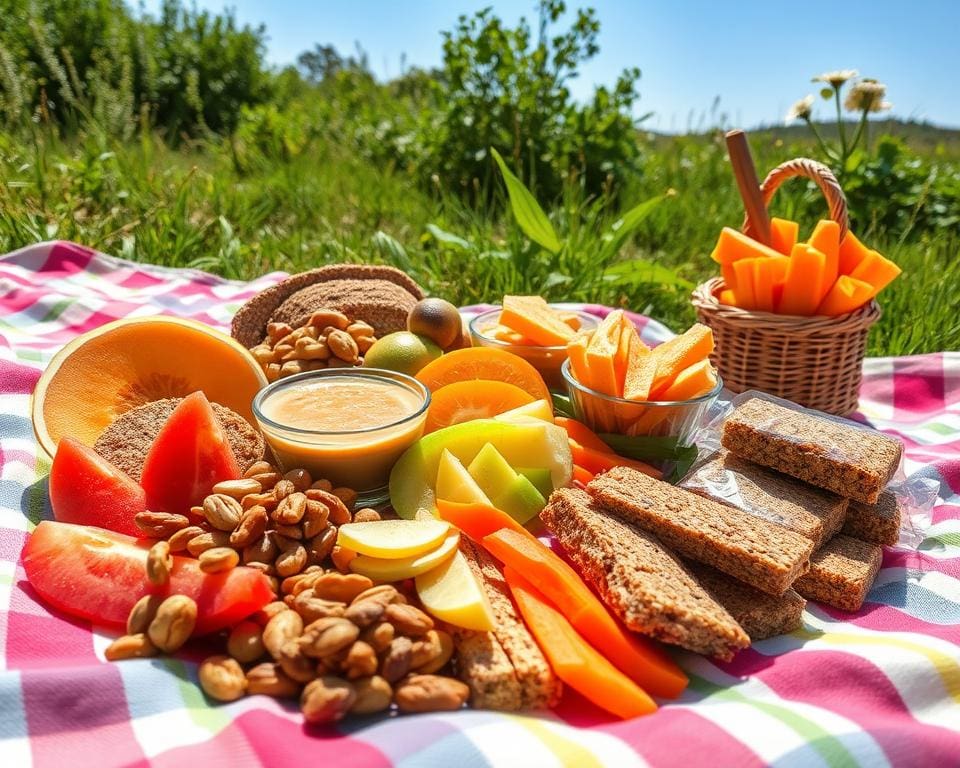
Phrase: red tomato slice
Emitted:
{"points": [[189, 456], [98, 575], [87, 489]]}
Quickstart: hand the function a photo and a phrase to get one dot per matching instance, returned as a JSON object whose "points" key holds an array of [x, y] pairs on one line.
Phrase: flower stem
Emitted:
{"points": [[860, 132], [840, 128], [823, 146]]}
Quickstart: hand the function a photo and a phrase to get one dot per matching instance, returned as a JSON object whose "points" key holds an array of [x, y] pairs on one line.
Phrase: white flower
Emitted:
{"points": [[836, 78], [801, 110], [867, 96]]}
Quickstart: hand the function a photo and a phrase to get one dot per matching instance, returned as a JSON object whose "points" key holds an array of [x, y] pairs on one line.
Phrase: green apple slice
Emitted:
{"points": [[521, 500], [538, 409], [531, 443], [491, 471], [540, 478]]}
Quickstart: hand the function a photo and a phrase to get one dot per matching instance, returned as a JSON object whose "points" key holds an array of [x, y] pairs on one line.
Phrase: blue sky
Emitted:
{"points": [[757, 56]]}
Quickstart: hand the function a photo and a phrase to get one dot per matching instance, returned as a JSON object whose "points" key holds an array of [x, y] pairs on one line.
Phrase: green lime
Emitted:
{"points": [[403, 352]]}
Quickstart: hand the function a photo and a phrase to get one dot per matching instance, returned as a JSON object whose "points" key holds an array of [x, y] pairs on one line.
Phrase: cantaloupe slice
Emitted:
{"points": [[602, 351], [532, 317], [876, 270], [826, 239], [641, 368], [118, 366], [852, 252], [727, 297], [767, 275], [691, 382], [577, 353], [804, 286], [783, 235], [743, 269], [510, 336], [729, 275], [571, 318], [678, 353], [733, 246], [628, 336], [846, 295]]}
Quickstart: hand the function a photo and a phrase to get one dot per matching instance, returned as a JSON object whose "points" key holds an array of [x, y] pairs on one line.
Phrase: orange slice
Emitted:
{"points": [[483, 363], [476, 399]]}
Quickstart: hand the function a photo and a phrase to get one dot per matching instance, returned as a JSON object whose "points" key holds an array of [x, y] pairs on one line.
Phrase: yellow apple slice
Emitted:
{"points": [[453, 594], [454, 482], [397, 569], [538, 409], [393, 539]]}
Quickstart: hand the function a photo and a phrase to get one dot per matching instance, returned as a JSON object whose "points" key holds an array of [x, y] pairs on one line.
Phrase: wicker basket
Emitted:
{"points": [[815, 361]]}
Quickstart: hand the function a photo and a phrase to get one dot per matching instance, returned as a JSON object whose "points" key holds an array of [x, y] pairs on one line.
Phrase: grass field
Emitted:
{"points": [[192, 207]]}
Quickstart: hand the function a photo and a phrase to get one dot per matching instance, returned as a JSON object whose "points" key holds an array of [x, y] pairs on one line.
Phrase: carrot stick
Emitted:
{"points": [[743, 270], [601, 461], [678, 353], [478, 520], [803, 287], [783, 235], [638, 658], [580, 475], [577, 352], [601, 352], [826, 239], [582, 434], [852, 252], [733, 246], [573, 660], [847, 294], [767, 274], [876, 270]]}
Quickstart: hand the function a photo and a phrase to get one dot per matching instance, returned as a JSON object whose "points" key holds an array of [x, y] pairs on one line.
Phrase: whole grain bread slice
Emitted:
{"points": [[793, 504], [639, 579], [748, 548], [841, 573], [876, 523], [505, 668], [760, 615], [852, 462]]}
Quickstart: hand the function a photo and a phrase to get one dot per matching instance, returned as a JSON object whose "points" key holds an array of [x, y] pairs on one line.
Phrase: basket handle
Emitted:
{"points": [[811, 169]]}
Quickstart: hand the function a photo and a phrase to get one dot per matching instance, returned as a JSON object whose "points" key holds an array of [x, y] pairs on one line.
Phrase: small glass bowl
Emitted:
{"points": [[547, 360], [360, 459], [678, 420]]}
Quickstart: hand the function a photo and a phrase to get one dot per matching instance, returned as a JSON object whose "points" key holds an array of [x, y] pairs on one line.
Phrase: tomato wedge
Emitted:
{"points": [[98, 575]]}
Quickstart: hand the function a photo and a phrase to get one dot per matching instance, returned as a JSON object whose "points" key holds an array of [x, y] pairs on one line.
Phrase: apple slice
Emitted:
{"points": [[454, 482], [393, 539], [398, 569], [532, 443], [492, 472], [521, 500], [538, 409], [540, 478], [453, 594]]}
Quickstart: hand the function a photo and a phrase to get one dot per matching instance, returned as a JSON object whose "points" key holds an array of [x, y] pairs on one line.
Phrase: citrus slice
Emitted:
{"points": [[468, 400], [124, 364], [484, 363]]}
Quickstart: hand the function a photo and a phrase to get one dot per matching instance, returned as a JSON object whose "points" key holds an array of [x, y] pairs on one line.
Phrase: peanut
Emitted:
{"points": [[324, 318], [276, 331], [295, 663], [237, 489], [312, 608], [430, 693], [408, 619], [245, 642], [262, 550], [364, 343], [173, 624], [358, 329], [374, 694], [222, 678], [327, 636], [379, 636], [267, 500], [133, 646], [382, 593], [432, 652], [327, 699], [208, 540], [160, 525], [258, 467], [292, 558], [347, 495], [159, 564], [282, 489], [282, 627], [222, 511], [341, 587], [218, 559], [142, 614], [396, 662], [315, 518], [322, 485], [270, 680], [365, 613], [339, 514], [322, 545], [253, 524], [178, 542], [300, 478], [289, 531], [343, 346], [366, 516], [360, 661], [268, 611]]}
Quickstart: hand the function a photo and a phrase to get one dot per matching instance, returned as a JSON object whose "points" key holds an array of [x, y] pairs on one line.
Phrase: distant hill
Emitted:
{"points": [[922, 136]]}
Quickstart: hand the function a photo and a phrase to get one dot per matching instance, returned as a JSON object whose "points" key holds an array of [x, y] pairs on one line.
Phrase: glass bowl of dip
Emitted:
{"points": [[546, 359], [346, 425]]}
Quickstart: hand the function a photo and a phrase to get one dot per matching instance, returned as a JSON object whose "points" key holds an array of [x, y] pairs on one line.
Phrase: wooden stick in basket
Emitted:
{"points": [[746, 175]]}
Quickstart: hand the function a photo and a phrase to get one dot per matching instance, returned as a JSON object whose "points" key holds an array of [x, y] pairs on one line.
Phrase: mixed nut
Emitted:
{"points": [[328, 340], [340, 642]]}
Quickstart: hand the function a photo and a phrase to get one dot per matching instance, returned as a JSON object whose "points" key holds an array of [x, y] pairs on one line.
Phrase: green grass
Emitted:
{"points": [[192, 207]]}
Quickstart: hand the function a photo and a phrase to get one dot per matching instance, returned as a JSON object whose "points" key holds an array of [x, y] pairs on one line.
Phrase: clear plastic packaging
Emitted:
{"points": [[915, 495]]}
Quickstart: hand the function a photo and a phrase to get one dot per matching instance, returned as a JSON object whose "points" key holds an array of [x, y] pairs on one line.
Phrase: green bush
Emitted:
{"points": [[91, 61]]}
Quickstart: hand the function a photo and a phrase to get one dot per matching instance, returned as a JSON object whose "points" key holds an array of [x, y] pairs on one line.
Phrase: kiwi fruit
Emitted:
{"points": [[438, 320]]}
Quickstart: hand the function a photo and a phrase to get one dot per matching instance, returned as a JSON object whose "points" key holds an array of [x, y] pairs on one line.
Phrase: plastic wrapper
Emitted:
{"points": [[915, 495]]}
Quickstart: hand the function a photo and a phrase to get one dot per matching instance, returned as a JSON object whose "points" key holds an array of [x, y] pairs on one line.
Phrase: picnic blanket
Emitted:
{"points": [[879, 687]]}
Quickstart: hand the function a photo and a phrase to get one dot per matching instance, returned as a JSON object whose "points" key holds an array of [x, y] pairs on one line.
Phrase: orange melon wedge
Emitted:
{"points": [[602, 353], [678, 353], [468, 400], [532, 317], [107, 371], [483, 363], [783, 235]]}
